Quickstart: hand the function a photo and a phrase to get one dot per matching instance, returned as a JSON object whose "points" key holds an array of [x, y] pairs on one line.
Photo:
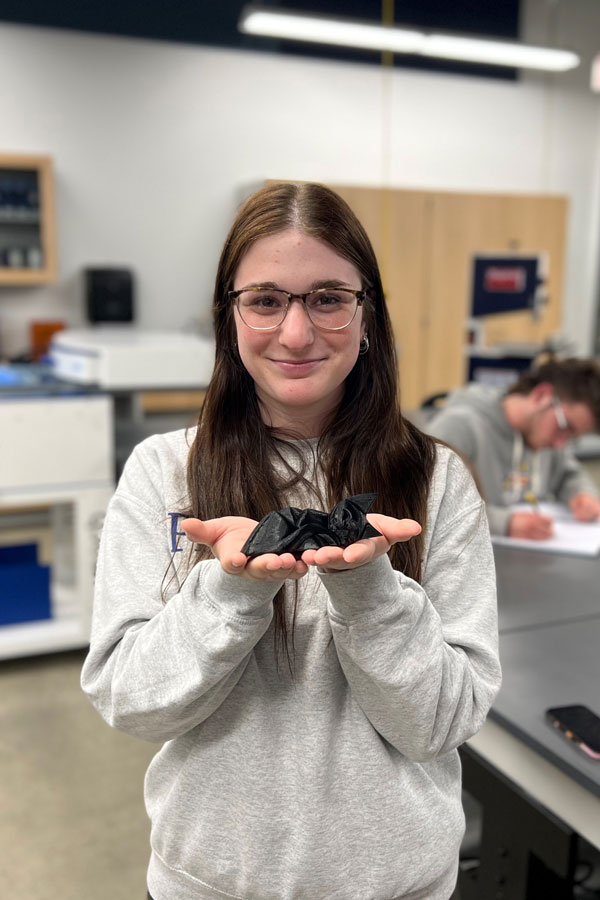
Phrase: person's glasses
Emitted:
{"points": [[263, 308], [564, 426]]}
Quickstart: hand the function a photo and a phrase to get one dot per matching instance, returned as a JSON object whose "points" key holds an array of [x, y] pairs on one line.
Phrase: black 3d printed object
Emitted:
{"points": [[292, 530]]}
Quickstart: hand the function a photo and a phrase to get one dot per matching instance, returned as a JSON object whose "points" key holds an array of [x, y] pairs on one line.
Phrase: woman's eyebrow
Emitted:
{"points": [[262, 284], [315, 286], [329, 283]]}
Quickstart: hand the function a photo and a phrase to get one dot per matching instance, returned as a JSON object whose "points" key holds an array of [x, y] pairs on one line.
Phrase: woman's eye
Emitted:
{"points": [[268, 301], [326, 300]]}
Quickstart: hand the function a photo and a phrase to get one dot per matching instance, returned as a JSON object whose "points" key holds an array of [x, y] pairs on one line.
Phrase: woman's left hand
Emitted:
{"points": [[335, 559]]}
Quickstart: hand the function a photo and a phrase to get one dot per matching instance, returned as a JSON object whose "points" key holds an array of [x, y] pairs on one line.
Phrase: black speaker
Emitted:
{"points": [[109, 295]]}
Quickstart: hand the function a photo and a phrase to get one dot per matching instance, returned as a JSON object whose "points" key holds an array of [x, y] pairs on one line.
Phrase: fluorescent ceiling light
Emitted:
{"points": [[499, 53], [298, 26]]}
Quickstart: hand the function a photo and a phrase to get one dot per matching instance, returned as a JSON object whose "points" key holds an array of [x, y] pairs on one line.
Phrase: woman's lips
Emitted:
{"points": [[297, 366]]}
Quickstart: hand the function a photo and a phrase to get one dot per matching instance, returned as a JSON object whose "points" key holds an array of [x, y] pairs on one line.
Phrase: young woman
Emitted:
{"points": [[310, 708]]}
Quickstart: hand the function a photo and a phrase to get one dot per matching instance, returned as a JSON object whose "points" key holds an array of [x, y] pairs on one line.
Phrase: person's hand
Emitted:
{"points": [[335, 559], [585, 507], [531, 525], [227, 535]]}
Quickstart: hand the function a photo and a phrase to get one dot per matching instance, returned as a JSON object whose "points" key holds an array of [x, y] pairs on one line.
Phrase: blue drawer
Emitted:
{"points": [[24, 586]]}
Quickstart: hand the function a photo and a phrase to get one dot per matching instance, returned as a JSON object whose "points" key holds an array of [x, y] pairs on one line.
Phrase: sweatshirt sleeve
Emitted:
{"points": [[157, 669], [455, 428], [422, 661], [569, 479]]}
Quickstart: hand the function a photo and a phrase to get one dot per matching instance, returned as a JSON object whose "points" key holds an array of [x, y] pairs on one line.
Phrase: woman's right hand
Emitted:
{"points": [[227, 535]]}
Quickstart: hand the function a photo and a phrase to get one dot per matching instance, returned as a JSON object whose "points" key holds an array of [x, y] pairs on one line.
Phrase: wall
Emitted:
{"points": [[154, 142]]}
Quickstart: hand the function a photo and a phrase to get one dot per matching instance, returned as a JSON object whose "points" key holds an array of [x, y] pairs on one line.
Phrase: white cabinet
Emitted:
{"points": [[56, 454]]}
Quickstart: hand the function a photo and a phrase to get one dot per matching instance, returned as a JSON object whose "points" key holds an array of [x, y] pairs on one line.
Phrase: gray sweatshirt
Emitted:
{"points": [[339, 783], [473, 422]]}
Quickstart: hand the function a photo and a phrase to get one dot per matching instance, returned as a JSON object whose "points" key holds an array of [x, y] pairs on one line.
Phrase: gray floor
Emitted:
{"points": [[72, 820]]}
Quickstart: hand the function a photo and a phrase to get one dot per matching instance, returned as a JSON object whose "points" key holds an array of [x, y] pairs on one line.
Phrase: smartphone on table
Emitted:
{"points": [[580, 725]]}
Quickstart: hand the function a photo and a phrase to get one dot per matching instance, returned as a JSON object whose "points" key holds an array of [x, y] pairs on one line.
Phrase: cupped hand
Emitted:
{"points": [[530, 525], [585, 507], [336, 559], [227, 535]]}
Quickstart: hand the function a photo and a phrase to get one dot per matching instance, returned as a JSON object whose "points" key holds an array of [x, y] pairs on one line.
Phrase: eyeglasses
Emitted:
{"points": [[265, 308], [563, 423]]}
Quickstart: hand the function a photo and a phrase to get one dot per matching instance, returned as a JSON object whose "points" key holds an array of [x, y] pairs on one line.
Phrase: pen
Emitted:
{"points": [[530, 497]]}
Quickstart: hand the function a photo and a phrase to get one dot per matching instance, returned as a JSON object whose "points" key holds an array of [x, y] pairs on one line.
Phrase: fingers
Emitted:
{"points": [[394, 530], [585, 507], [531, 526], [325, 556], [267, 567], [537, 527], [361, 552], [202, 532], [354, 555], [226, 535], [542, 528], [274, 567]]}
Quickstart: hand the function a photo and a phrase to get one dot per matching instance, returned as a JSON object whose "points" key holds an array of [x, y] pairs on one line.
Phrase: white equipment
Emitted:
{"points": [[124, 359]]}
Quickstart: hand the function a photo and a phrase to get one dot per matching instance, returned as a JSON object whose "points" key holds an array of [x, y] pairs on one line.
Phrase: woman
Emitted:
{"points": [[310, 707]]}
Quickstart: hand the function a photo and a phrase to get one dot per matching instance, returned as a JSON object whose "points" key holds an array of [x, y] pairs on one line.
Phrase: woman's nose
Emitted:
{"points": [[296, 330]]}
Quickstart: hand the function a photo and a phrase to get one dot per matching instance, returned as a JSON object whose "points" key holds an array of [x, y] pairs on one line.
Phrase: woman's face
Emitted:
{"points": [[298, 369]]}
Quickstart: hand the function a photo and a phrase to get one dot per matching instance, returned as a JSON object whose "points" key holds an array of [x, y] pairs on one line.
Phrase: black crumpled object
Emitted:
{"points": [[293, 530]]}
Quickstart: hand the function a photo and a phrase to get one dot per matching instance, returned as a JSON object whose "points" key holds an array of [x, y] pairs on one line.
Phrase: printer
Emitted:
{"points": [[121, 358]]}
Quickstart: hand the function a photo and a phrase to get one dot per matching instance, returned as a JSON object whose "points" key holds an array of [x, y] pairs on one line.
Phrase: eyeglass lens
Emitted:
{"points": [[267, 308], [561, 419]]}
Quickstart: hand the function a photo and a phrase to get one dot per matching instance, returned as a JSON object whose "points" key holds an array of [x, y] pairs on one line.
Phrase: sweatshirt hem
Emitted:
{"points": [[168, 883]]}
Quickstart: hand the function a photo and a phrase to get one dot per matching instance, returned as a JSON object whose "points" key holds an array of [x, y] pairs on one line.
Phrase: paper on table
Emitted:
{"points": [[574, 538]]}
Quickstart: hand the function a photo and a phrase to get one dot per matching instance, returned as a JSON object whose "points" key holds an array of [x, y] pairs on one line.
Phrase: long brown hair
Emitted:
{"points": [[366, 447]]}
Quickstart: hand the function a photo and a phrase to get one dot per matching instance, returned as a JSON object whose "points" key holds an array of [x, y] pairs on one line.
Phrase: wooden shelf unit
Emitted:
{"points": [[23, 228]]}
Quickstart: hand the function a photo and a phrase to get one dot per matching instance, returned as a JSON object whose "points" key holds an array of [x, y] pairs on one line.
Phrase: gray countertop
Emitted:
{"points": [[553, 665], [541, 588], [549, 614]]}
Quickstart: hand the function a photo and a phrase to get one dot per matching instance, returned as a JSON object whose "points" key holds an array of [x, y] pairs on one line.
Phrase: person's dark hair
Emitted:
{"points": [[366, 447], [574, 381]]}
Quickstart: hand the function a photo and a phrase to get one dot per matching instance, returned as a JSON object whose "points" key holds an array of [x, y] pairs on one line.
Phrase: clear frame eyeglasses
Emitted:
{"points": [[264, 308], [561, 420]]}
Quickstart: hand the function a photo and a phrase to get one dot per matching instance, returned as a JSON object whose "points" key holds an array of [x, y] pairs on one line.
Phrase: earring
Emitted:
{"points": [[364, 345]]}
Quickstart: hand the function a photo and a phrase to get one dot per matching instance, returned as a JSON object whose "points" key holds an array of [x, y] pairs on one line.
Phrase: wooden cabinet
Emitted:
{"points": [[425, 242], [397, 224], [27, 230]]}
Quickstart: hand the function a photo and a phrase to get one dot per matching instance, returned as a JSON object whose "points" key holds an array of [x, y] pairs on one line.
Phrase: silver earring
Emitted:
{"points": [[364, 345]]}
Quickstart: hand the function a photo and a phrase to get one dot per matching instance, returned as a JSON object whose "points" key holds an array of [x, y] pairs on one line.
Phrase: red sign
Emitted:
{"points": [[504, 279]]}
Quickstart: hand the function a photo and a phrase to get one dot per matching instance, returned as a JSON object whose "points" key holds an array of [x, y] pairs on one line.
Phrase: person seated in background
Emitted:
{"points": [[517, 442]]}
